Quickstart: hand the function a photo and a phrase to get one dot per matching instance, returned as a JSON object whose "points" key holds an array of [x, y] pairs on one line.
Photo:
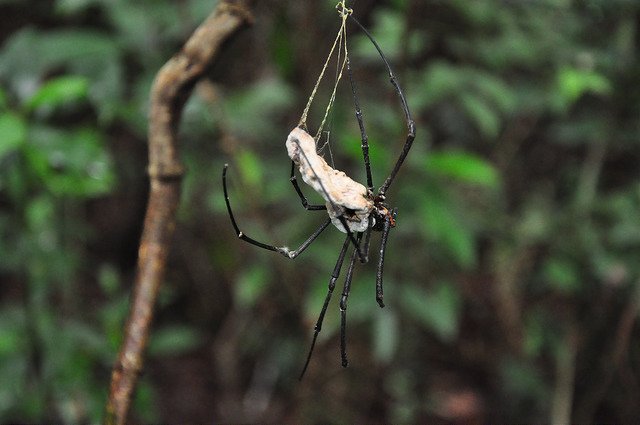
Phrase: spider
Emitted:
{"points": [[352, 208]]}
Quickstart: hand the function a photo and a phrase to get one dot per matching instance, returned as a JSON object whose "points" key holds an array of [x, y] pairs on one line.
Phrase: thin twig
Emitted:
{"points": [[171, 89]]}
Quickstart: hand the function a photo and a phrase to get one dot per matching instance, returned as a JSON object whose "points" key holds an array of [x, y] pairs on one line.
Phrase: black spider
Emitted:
{"points": [[378, 216]]}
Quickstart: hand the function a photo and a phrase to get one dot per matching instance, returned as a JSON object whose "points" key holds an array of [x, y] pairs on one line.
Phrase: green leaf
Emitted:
{"points": [[480, 94], [442, 223], [464, 167], [251, 112], [440, 81], [59, 91], [173, 340], [573, 83], [29, 55], [40, 213], [438, 309], [388, 31], [561, 275], [493, 89], [71, 162], [250, 168], [250, 286], [13, 132], [481, 113]]}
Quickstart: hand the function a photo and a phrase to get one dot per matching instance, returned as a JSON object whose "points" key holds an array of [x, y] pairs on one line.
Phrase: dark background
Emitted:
{"points": [[511, 279]]}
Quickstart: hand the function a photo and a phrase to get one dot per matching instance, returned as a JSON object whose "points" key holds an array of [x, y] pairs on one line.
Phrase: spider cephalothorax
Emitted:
{"points": [[381, 214], [353, 208]]}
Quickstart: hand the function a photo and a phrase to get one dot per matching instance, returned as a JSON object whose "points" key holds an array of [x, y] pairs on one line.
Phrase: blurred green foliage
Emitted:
{"points": [[511, 280], [62, 93]]}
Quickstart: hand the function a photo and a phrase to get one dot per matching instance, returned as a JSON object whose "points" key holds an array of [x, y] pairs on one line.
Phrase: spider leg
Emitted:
{"points": [[332, 285], [281, 249], [343, 307], [383, 247], [363, 133], [367, 237], [305, 203], [411, 126]]}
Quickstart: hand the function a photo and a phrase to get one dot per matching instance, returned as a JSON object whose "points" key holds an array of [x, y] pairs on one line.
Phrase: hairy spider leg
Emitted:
{"points": [[363, 134], [305, 202], [332, 284], [281, 249], [383, 248], [343, 307], [411, 126], [343, 221]]}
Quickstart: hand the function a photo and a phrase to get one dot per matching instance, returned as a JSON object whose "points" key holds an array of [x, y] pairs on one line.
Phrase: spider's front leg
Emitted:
{"points": [[343, 305], [332, 284], [411, 125], [281, 249]]}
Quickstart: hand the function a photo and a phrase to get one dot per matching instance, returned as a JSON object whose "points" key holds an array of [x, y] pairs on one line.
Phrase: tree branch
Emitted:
{"points": [[171, 89]]}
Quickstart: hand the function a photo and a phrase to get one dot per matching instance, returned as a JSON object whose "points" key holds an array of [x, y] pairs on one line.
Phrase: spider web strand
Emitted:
{"points": [[340, 42]]}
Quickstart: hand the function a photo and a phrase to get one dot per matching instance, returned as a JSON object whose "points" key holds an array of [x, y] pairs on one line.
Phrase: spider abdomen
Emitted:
{"points": [[344, 196]]}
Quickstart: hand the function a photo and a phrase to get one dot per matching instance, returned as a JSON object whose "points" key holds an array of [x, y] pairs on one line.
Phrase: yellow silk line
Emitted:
{"points": [[335, 86], [342, 39]]}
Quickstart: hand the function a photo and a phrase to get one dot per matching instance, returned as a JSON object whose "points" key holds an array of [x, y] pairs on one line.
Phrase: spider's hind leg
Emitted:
{"points": [[332, 284], [281, 249], [343, 306], [345, 295]]}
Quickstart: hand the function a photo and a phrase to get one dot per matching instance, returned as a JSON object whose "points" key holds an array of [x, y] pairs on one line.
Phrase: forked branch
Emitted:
{"points": [[171, 89]]}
